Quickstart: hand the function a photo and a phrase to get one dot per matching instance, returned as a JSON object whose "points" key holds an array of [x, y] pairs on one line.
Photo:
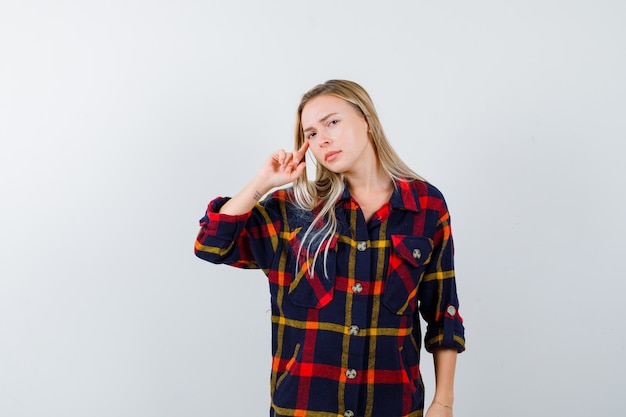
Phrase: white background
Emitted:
{"points": [[120, 120]]}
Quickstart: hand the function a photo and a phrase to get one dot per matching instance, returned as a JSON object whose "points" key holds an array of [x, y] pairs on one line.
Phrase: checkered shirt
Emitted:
{"points": [[346, 341]]}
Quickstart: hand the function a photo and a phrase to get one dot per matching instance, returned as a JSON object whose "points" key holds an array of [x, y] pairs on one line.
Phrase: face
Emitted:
{"points": [[337, 134]]}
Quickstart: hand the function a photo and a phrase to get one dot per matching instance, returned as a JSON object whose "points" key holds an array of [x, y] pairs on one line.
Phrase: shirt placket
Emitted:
{"points": [[356, 367]]}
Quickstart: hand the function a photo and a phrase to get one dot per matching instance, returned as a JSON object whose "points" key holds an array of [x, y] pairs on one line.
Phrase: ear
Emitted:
{"points": [[367, 124]]}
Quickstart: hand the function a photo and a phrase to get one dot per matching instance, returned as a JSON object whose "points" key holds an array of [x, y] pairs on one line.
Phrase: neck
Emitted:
{"points": [[368, 176], [368, 181]]}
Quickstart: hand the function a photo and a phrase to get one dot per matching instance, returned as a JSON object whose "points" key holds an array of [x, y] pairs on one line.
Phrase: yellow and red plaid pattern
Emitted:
{"points": [[348, 344]]}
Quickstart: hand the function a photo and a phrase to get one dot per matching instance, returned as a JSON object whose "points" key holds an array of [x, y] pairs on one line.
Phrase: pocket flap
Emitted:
{"points": [[415, 250], [313, 290], [406, 265]]}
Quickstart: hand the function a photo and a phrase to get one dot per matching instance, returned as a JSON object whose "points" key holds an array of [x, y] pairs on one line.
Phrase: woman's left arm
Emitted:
{"points": [[445, 365], [439, 305]]}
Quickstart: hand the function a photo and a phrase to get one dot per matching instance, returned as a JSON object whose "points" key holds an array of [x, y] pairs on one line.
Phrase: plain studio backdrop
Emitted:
{"points": [[121, 120]]}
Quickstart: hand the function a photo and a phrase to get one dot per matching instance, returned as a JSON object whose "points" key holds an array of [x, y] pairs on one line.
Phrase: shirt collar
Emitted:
{"points": [[404, 196]]}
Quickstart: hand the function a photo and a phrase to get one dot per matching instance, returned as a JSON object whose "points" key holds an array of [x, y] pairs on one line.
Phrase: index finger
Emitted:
{"points": [[300, 152]]}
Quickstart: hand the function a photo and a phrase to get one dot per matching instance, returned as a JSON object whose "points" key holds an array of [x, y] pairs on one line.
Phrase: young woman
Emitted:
{"points": [[352, 258]]}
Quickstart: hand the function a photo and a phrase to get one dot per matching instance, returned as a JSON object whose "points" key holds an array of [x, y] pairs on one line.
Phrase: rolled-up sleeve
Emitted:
{"points": [[439, 304], [223, 238], [250, 240]]}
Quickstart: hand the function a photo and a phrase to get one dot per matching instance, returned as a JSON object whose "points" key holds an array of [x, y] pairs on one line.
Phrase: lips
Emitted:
{"points": [[329, 156]]}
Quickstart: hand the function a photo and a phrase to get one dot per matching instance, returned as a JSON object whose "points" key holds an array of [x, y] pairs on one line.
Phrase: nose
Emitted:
{"points": [[322, 139]]}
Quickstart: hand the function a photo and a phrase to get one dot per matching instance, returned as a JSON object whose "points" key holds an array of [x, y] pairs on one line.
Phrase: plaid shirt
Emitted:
{"points": [[348, 343]]}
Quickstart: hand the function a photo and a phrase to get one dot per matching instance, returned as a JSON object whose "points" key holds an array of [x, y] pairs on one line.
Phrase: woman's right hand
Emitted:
{"points": [[283, 167]]}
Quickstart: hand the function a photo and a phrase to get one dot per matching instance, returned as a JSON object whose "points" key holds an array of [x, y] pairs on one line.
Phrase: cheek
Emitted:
{"points": [[317, 154]]}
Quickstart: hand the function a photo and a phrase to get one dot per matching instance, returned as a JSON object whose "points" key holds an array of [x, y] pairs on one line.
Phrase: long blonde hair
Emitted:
{"points": [[321, 195]]}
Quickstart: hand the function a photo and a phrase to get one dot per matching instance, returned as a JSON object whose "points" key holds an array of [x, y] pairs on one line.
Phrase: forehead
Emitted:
{"points": [[321, 106]]}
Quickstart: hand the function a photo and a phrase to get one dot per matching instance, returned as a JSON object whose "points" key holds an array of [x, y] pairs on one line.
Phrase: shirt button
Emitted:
{"points": [[348, 413], [417, 254], [351, 373], [357, 288], [361, 246], [451, 310], [354, 330]]}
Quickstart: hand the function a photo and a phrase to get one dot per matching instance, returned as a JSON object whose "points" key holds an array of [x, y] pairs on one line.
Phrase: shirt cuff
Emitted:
{"points": [[448, 334], [225, 226]]}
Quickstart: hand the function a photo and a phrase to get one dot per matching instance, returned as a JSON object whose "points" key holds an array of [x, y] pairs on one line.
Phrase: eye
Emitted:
{"points": [[311, 135], [333, 122]]}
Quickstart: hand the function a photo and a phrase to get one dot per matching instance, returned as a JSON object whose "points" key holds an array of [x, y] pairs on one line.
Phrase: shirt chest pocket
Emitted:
{"points": [[408, 258], [313, 288]]}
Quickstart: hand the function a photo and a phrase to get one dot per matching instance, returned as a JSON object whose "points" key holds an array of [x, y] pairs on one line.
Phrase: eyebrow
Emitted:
{"points": [[322, 120]]}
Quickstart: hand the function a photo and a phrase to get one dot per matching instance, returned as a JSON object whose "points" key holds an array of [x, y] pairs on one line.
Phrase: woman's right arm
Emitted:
{"points": [[228, 235], [280, 169]]}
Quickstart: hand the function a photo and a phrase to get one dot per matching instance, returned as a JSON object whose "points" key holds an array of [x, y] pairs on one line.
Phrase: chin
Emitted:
{"points": [[334, 169]]}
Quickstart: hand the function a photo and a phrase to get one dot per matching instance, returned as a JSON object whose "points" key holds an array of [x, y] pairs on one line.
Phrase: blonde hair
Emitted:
{"points": [[321, 195]]}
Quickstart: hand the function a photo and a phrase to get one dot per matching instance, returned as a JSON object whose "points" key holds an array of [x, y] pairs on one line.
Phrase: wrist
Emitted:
{"points": [[258, 187], [442, 405], [261, 184], [447, 399]]}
